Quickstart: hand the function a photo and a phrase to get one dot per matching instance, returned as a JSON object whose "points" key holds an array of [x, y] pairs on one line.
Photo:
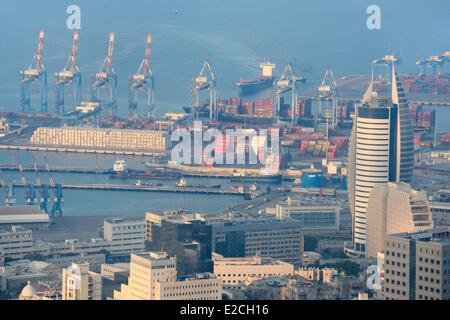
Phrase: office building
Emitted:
{"points": [[16, 243], [268, 238], [380, 150], [78, 283], [237, 272], [394, 208], [184, 235], [125, 235], [153, 276], [315, 218], [417, 265]]}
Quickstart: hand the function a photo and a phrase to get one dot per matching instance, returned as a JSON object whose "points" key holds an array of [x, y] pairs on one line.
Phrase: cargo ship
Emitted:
{"points": [[263, 82]]}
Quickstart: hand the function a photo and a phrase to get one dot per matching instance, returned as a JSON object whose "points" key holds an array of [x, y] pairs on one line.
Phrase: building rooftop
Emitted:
{"points": [[22, 214]]}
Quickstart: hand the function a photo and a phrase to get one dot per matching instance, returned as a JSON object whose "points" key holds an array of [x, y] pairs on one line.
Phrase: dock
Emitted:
{"points": [[146, 188]]}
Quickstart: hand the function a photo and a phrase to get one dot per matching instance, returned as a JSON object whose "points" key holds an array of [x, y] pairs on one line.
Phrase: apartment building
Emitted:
{"points": [[102, 138], [78, 283], [417, 265]]}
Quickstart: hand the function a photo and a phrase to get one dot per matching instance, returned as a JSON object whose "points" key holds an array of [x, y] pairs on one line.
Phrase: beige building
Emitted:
{"points": [[153, 276], [17, 242], [417, 265], [325, 275], [78, 283], [125, 235], [102, 138], [235, 272], [393, 208]]}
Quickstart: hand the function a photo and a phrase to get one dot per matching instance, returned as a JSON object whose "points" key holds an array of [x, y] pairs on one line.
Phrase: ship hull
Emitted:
{"points": [[254, 85]]}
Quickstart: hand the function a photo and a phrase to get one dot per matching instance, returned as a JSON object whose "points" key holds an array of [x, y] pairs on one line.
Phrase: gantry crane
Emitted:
{"points": [[285, 84], [7, 191], [34, 74], [56, 188], [103, 87], [385, 63], [206, 80], [143, 79], [43, 188], [68, 76], [434, 62], [327, 101], [30, 194]]}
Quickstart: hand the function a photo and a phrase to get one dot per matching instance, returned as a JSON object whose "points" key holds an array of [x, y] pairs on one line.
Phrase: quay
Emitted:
{"points": [[127, 187]]}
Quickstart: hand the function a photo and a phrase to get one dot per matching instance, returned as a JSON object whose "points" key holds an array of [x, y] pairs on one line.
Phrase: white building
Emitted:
{"points": [[380, 150], [125, 235], [31, 217], [235, 272], [395, 208], [153, 276], [16, 243], [78, 283]]}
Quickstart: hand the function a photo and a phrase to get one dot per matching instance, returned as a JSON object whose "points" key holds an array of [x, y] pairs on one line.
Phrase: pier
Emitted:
{"points": [[127, 187]]}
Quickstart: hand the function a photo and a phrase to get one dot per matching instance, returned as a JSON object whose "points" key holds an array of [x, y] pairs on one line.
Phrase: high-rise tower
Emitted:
{"points": [[381, 150]]}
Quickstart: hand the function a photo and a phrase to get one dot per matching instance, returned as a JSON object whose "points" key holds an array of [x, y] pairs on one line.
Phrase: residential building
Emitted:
{"points": [[417, 265], [237, 272], [393, 208], [78, 283]]}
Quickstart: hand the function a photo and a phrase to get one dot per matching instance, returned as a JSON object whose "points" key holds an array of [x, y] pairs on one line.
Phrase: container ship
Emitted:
{"points": [[263, 82]]}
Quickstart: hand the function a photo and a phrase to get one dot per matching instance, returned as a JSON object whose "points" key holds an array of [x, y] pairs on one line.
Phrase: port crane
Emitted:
{"points": [[327, 101], [103, 87], [143, 79], [56, 188], [385, 63], [43, 188], [30, 192], [7, 191], [206, 80], [68, 76], [285, 84], [34, 74], [434, 62]]}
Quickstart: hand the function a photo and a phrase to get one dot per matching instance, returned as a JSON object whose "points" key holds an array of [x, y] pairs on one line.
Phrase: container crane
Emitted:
{"points": [[206, 80], [43, 188], [7, 191], [30, 194], [285, 84], [68, 76], [35, 73], [143, 79], [56, 188], [327, 102], [104, 82]]}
